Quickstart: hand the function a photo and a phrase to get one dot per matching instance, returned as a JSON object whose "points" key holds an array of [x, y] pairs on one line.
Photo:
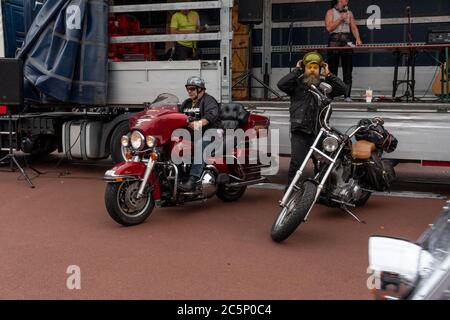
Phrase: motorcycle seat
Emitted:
{"points": [[233, 116]]}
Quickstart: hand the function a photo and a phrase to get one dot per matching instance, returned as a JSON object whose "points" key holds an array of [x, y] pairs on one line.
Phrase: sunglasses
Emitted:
{"points": [[190, 89]]}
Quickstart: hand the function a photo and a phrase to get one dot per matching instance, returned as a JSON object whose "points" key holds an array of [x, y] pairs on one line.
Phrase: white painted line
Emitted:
{"points": [[396, 194], [409, 194]]}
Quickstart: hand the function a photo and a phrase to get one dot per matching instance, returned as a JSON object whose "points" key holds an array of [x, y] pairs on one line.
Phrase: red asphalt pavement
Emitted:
{"points": [[208, 250]]}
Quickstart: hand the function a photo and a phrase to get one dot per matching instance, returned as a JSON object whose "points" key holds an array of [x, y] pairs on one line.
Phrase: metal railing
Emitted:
{"points": [[225, 35]]}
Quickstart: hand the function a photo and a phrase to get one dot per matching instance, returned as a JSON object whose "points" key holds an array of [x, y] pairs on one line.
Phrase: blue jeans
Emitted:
{"points": [[197, 169]]}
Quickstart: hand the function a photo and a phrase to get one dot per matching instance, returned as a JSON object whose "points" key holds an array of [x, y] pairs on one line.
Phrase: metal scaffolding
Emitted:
{"points": [[225, 35]]}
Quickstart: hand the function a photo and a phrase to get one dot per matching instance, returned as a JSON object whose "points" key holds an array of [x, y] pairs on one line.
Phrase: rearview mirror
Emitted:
{"points": [[326, 88]]}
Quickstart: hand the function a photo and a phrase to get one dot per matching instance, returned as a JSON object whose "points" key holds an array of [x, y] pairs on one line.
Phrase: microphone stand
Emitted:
{"points": [[249, 75], [410, 83], [290, 44], [10, 157], [410, 56], [408, 12]]}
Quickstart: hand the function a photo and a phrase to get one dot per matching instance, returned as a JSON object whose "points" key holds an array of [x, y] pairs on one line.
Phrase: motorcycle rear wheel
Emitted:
{"points": [[123, 206], [363, 200], [230, 194], [295, 212]]}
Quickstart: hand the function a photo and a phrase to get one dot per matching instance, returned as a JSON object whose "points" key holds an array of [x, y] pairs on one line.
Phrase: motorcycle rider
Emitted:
{"points": [[204, 109], [304, 110]]}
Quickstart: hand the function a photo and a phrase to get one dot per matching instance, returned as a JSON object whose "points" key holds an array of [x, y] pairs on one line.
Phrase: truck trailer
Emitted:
{"points": [[78, 101]]}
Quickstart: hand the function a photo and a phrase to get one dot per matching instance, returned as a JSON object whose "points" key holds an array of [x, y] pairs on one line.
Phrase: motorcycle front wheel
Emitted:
{"points": [[123, 205], [295, 212]]}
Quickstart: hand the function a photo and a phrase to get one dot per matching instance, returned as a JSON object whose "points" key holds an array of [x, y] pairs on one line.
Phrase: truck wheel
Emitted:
{"points": [[2, 154], [117, 155], [47, 148]]}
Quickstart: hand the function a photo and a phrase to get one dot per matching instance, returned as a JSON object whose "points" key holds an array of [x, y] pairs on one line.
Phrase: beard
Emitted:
{"points": [[311, 79]]}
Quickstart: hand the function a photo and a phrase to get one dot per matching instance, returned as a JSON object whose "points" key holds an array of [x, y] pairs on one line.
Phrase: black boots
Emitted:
{"points": [[189, 185]]}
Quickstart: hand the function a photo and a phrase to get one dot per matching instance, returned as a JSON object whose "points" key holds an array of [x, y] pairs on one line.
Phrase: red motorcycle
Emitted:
{"points": [[149, 177]]}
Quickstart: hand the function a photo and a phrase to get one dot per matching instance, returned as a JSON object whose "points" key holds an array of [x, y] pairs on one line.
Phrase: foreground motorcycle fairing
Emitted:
{"points": [[404, 270], [150, 178], [346, 172]]}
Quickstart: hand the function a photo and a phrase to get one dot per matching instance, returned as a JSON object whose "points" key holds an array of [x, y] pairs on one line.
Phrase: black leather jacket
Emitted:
{"points": [[206, 108], [304, 110]]}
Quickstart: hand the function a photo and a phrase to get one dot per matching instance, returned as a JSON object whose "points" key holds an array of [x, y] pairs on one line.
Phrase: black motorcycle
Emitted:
{"points": [[346, 172]]}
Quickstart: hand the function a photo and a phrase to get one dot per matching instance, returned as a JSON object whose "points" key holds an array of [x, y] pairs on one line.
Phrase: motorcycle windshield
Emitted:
{"points": [[165, 100], [65, 53]]}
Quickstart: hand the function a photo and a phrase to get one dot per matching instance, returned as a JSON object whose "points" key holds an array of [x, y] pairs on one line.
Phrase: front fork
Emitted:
{"points": [[285, 201], [148, 172]]}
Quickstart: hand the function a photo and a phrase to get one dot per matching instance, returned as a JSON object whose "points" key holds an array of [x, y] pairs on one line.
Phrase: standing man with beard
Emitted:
{"points": [[304, 110]]}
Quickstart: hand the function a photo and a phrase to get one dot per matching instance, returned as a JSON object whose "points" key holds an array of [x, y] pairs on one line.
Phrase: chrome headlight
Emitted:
{"points": [[137, 140], [125, 141], [330, 144], [151, 141]]}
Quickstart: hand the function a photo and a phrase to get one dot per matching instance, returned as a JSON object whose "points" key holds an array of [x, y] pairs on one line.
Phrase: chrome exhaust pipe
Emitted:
{"points": [[246, 183]]}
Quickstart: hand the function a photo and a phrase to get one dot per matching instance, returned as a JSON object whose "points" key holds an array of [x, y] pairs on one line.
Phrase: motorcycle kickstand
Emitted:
{"points": [[344, 208]]}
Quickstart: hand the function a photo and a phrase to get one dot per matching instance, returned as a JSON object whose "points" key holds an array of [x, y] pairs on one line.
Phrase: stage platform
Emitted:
{"points": [[423, 129], [401, 106]]}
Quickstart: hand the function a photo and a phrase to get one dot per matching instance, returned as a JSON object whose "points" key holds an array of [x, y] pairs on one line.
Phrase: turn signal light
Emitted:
{"points": [[261, 127], [154, 156], [128, 156]]}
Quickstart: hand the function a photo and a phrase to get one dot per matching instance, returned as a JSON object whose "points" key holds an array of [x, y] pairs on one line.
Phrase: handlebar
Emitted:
{"points": [[379, 121], [326, 101], [322, 97], [374, 123]]}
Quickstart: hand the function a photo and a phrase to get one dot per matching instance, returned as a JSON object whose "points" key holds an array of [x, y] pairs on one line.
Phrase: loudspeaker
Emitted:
{"points": [[251, 11], [11, 82]]}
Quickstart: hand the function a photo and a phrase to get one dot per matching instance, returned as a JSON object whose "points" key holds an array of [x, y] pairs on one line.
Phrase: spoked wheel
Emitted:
{"points": [[123, 204], [230, 194], [295, 212]]}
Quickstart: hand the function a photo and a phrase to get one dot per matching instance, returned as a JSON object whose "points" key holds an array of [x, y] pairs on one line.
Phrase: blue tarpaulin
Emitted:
{"points": [[65, 53]]}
